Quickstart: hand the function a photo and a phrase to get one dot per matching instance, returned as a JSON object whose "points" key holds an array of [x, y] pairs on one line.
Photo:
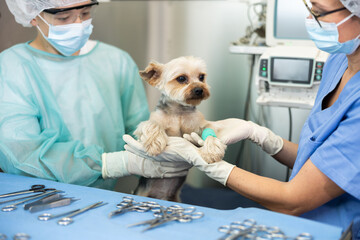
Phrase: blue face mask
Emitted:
{"points": [[327, 37], [70, 38]]}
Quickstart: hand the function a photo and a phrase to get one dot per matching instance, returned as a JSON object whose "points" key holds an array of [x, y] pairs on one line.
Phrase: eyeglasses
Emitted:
{"points": [[317, 15], [63, 16]]}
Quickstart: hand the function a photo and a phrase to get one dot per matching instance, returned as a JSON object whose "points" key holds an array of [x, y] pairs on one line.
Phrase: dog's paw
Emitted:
{"points": [[213, 150], [156, 144], [152, 136]]}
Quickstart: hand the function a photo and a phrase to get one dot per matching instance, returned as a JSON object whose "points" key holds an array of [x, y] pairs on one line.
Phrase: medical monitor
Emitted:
{"points": [[291, 70], [285, 23]]}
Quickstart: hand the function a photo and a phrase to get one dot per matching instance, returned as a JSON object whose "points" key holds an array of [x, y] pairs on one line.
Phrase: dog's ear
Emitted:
{"points": [[152, 73]]}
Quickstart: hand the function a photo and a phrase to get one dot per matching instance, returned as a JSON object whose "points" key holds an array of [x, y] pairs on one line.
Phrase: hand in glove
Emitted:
{"points": [[124, 163], [233, 130], [180, 150]]}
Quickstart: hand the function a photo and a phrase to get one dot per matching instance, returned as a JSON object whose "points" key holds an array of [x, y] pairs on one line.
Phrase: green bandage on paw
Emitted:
{"points": [[207, 132]]}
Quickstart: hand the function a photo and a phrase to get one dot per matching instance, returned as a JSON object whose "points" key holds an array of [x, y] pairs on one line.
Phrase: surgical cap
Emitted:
{"points": [[26, 10], [353, 6]]}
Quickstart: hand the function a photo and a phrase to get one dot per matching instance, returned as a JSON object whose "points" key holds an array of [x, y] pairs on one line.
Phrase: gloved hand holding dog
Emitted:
{"points": [[233, 130], [124, 163], [180, 150]]}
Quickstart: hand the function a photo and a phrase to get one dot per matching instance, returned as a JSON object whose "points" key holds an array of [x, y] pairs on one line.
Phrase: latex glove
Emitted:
{"points": [[124, 163], [233, 130], [180, 150]]}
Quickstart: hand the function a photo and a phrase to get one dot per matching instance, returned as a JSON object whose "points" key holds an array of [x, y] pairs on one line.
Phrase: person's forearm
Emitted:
{"points": [[268, 192], [309, 189], [287, 154]]}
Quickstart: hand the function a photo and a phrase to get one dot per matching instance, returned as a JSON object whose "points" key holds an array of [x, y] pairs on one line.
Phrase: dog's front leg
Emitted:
{"points": [[152, 136]]}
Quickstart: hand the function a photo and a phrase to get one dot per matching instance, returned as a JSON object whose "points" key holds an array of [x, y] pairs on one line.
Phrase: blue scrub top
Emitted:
{"points": [[331, 139], [59, 114]]}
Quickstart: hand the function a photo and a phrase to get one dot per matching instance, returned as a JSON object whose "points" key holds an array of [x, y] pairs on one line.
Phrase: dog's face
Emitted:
{"points": [[182, 79]]}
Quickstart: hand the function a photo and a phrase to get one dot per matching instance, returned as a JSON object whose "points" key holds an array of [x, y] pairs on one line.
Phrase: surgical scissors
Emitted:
{"points": [[68, 219], [48, 216], [34, 188], [12, 207]]}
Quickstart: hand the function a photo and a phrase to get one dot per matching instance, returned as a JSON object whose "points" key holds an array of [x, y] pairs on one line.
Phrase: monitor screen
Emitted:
{"points": [[290, 19], [291, 70], [285, 23]]}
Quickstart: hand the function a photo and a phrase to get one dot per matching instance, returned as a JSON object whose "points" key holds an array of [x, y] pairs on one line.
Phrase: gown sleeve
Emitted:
{"points": [[26, 149]]}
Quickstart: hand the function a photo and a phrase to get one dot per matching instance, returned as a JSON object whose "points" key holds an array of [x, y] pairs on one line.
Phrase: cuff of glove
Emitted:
{"points": [[266, 139], [218, 171], [114, 165]]}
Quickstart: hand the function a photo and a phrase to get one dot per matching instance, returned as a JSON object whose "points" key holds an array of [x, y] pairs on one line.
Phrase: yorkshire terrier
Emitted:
{"points": [[182, 83]]}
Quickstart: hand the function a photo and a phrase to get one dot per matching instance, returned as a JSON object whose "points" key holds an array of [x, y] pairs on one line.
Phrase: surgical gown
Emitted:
{"points": [[59, 114], [331, 139]]}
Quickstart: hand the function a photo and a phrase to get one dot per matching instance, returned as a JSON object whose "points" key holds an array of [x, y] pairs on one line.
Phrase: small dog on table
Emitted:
{"points": [[182, 83]]}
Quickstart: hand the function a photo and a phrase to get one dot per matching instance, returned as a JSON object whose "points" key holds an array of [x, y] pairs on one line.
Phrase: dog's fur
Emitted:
{"points": [[182, 83]]}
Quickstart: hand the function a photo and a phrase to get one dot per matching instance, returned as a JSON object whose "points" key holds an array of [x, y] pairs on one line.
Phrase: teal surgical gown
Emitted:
{"points": [[59, 114], [331, 139]]}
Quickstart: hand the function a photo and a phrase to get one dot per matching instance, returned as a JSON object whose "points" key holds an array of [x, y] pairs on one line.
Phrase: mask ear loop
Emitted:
{"points": [[345, 19], [37, 26]]}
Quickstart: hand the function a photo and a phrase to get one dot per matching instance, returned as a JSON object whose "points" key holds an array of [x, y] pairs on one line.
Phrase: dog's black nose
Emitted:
{"points": [[198, 91]]}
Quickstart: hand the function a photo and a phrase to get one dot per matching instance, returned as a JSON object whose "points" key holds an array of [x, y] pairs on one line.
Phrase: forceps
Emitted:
{"points": [[68, 219], [12, 207], [53, 204], [51, 197], [34, 188]]}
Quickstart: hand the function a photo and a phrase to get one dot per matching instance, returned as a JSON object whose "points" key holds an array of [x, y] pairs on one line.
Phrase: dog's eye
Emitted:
{"points": [[181, 79], [202, 77]]}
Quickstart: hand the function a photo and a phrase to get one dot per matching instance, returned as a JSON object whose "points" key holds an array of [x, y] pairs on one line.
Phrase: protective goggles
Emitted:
{"points": [[63, 16], [316, 15]]}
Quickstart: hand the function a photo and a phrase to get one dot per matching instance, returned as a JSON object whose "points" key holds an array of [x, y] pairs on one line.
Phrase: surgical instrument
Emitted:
{"points": [[13, 206], [21, 198], [68, 219], [141, 207], [301, 236], [34, 188], [54, 204], [128, 204], [248, 229], [48, 216], [46, 199], [173, 213], [21, 236], [158, 217], [237, 229]]}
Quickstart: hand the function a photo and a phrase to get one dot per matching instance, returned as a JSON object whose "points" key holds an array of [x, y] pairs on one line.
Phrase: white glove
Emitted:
{"points": [[180, 150], [233, 130], [120, 164]]}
